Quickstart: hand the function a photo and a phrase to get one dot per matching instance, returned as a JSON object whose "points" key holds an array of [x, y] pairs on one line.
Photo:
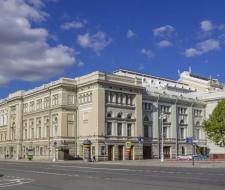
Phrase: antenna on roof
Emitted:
{"points": [[178, 71], [189, 69]]}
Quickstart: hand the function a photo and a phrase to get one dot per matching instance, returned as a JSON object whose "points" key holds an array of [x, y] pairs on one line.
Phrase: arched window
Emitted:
{"points": [[129, 115], [119, 115], [181, 121], [109, 114], [197, 123], [146, 119]]}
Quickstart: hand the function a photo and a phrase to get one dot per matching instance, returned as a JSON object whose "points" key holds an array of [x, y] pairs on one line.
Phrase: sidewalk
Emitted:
{"points": [[150, 162]]}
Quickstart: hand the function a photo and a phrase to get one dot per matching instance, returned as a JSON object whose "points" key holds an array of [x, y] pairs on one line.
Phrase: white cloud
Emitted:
{"points": [[75, 24], [191, 52], [163, 31], [24, 51], [96, 42], [165, 44], [208, 45], [203, 47], [130, 33], [147, 52], [206, 25], [80, 64]]}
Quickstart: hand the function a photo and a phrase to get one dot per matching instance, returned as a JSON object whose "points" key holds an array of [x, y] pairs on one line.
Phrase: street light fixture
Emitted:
{"points": [[162, 117]]}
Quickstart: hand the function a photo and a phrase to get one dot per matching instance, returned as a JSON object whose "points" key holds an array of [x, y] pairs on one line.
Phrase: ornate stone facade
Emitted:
{"points": [[110, 110]]}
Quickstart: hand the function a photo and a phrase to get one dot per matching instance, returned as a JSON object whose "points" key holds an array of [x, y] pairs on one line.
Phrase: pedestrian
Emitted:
{"points": [[93, 159]]}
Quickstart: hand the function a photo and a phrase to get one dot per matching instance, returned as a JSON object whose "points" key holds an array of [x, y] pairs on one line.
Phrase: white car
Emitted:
{"points": [[184, 157]]}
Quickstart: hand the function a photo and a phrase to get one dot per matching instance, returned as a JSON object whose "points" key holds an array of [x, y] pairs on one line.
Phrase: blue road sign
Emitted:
{"points": [[189, 140]]}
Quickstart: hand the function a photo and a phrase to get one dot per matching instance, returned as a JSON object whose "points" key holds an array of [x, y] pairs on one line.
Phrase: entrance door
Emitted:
{"points": [[166, 150], [11, 149], [131, 153], [120, 152], [147, 152], [110, 152]]}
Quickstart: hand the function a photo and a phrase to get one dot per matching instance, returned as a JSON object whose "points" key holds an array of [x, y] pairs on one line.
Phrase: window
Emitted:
{"points": [[129, 130], [109, 128], [109, 114], [25, 107], [119, 115], [39, 104], [32, 133], [47, 131], [70, 99], [129, 116], [119, 129], [46, 102], [25, 134], [182, 133], [55, 99], [146, 131], [39, 132], [32, 106], [196, 134], [165, 132], [165, 109]]}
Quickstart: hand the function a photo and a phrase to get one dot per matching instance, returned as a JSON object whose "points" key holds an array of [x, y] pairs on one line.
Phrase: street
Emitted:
{"points": [[78, 175]]}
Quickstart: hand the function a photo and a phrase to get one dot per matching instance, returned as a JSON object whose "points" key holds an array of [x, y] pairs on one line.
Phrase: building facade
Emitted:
{"points": [[123, 115]]}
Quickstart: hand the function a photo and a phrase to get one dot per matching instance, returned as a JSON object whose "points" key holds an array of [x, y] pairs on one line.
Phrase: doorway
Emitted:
{"points": [[147, 152], [166, 150], [130, 153], [110, 152], [120, 152]]}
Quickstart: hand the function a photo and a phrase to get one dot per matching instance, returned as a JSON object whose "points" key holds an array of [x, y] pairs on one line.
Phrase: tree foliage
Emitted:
{"points": [[215, 125]]}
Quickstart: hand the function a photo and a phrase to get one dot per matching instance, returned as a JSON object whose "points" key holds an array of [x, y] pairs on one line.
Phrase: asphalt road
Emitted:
{"points": [[93, 176]]}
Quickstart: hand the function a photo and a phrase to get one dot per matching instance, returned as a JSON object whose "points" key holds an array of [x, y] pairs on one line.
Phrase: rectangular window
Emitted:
{"points": [[182, 133], [129, 130], [32, 133], [146, 131], [165, 132], [119, 129], [70, 99], [39, 104], [55, 99], [39, 132], [46, 102], [196, 134], [109, 128]]}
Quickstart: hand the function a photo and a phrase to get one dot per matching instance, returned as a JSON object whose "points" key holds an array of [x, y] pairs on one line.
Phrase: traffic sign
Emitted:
{"points": [[189, 140]]}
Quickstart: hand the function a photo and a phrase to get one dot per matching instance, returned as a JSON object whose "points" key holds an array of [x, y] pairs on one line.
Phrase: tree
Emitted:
{"points": [[215, 125]]}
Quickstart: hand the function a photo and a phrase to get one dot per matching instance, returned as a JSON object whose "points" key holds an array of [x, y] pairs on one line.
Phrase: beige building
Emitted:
{"points": [[119, 115]]}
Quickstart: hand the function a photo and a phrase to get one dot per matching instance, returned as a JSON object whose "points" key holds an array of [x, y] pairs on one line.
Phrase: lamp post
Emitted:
{"points": [[162, 116], [54, 159]]}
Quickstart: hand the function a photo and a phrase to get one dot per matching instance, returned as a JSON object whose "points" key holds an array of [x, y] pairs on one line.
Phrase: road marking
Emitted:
{"points": [[8, 181]]}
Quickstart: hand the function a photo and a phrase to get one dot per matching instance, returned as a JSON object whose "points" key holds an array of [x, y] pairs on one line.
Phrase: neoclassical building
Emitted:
{"points": [[123, 115]]}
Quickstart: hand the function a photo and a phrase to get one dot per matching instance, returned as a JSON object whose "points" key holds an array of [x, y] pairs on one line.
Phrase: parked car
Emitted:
{"points": [[185, 157]]}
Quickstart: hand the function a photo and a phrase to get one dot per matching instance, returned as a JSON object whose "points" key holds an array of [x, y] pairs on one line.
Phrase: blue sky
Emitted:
{"points": [[42, 40]]}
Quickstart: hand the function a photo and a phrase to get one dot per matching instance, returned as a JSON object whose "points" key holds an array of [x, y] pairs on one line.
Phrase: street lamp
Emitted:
{"points": [[54, 159], [162, 117]]}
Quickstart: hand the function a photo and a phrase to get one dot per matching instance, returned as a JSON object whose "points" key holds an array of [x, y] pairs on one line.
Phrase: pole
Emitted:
{"points": [[162, 137], [193, 160]]}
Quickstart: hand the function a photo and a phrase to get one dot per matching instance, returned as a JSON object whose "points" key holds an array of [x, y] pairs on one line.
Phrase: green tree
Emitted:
{"points": [[215, 125]]}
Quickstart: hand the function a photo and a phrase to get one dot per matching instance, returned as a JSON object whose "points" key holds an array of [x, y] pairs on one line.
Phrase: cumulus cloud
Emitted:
{"points": [[165, 44], [147, 52], [163, 31], [96, 42], [24, 51], [206, 25], [75, 24], [203, 47], [130, 33]]}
